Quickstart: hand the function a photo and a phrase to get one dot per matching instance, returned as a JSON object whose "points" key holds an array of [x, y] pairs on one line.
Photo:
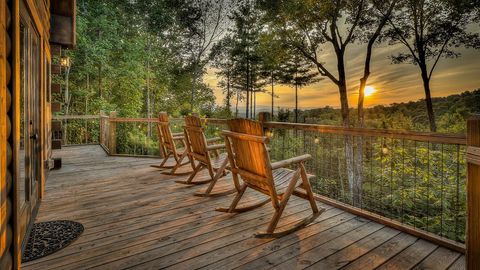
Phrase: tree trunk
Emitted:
{"points": [[254, 104], [149, 114], [296, 103], [428, 98], [100, 92], [247, 115], [236, 105], [354, 185], [360, 140], [273, 93], [192, 97], [228, 91], [252, 113]]}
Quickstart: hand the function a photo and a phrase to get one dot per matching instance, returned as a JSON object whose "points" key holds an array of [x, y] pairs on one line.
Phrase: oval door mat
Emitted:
{"points": [[49, 237]]}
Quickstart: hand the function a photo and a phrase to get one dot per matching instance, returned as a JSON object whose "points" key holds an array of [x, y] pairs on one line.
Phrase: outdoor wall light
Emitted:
{"points": [[65, 61]]}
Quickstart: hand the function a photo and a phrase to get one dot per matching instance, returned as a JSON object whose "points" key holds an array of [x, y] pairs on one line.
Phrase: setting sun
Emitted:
{"points": [[369, 90]]}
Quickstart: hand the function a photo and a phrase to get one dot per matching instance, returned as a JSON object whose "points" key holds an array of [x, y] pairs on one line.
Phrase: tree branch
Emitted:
{"points": [[354, 25], [403, 40], [438, 57]]}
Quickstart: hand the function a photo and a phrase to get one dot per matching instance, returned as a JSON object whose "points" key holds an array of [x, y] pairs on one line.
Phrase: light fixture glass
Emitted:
{"points": [[65, 61]]}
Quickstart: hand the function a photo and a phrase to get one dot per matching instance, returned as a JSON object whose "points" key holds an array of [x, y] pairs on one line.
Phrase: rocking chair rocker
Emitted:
{"points": [[252, 162]]}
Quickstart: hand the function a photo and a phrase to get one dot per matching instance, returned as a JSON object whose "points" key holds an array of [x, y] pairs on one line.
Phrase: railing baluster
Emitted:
{"points": [[402, 194], [457, 203]]}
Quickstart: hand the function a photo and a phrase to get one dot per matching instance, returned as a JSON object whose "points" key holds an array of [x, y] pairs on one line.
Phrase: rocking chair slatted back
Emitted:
{"points": [[165, 134], [195, 137], [251, 155]]}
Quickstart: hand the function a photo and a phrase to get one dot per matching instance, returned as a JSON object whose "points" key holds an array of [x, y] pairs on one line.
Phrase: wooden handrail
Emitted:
{"points": [[73, 117], [134, 120], [216, 121], [459, 139], [408, 135]]}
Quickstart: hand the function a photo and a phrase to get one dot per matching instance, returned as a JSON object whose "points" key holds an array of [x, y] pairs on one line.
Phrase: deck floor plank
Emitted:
{"points": [[440, 259], [459, 264], [137, 218], [409, 257], [382, 253]]}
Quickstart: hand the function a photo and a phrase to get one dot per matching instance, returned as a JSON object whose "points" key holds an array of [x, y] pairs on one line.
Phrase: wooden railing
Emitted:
{"points": [[412, 181], [408, 180], [78, 129]]}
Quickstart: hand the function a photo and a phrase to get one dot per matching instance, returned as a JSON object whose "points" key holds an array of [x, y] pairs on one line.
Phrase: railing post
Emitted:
{"points": [[263, 117], [112, 134], [473, 194], [101, 128]]}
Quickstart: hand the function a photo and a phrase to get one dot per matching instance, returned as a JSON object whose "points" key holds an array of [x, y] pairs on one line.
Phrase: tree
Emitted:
{"points": [[273, 55], [222, 60], [203, 22], [309, 26], [245, 54], [376, 17], [300, 73], [431, 30]]}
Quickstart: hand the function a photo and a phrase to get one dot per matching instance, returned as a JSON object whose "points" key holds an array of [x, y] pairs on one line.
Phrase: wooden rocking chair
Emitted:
{"points": [[252, 162], [200, 149], [168, 146]]}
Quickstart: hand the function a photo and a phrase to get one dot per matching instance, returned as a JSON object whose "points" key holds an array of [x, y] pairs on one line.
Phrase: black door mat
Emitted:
{"points": [[49, 237]]}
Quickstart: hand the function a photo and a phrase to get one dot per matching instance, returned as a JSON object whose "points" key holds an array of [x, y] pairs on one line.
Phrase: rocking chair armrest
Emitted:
{"points": [[216, 139], [290, 161], [178, 134], [215, 147]]}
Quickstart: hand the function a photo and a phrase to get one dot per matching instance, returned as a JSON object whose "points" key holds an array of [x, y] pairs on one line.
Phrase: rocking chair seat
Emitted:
{"points": [[181, 151], [218, 161], [178, 138], [281, 179]]}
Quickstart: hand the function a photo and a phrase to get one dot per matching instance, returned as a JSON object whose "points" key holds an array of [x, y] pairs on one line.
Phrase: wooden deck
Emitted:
{"points": [[137, 218]]}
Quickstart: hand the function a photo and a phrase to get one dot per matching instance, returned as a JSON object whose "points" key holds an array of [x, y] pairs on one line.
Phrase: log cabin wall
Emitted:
{"points": [[13, 229], [6, 195]]}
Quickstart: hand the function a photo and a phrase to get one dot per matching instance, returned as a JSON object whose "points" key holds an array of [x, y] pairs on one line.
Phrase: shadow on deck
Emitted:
{"points": [[137, 218]]}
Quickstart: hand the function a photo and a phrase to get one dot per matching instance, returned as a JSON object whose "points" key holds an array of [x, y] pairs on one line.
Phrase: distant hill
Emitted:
{"points": [[451, 113]]}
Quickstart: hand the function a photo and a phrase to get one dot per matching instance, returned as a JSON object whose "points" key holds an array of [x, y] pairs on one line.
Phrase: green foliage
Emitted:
{"points": [[123, 63], [124, 66]]}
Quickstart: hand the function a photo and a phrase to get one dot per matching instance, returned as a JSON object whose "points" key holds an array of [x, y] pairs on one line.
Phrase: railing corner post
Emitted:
{"points": [[112, 134], [473, 194]]}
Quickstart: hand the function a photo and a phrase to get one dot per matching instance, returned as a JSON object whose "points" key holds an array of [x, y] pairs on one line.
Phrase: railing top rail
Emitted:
{"points": [[72, 117], [396, 134], [155, 120], [459, 139], [216, 121], [134, 120]]}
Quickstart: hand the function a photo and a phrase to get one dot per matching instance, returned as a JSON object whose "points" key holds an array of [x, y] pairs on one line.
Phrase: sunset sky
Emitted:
{"points": [[392, 82]]}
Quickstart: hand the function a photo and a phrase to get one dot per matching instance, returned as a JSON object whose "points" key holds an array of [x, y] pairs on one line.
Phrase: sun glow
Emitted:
{"points": [[369, 90]]}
